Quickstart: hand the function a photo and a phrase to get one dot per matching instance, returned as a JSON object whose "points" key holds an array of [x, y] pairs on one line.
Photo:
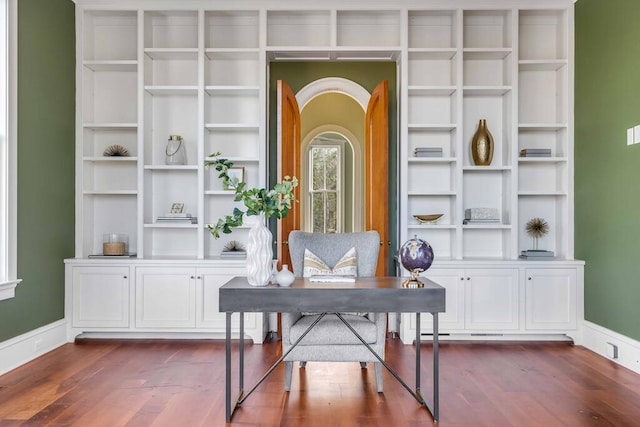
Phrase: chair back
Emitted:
{"points": [[331, 247]]}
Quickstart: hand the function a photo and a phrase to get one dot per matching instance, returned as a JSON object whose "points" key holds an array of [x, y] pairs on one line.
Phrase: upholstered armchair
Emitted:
{"points": [[330, 340]]}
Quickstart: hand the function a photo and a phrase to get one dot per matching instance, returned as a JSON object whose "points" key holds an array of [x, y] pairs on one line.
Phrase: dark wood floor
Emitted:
{"points": [[181, 383]]}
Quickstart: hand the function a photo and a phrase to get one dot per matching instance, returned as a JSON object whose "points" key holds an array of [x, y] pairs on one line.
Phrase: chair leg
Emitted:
{"points": [[303, 365], [363, 365], [288, 371], [378, 368]]}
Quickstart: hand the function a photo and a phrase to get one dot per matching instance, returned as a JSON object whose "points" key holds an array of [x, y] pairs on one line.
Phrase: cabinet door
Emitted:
{"points": [[165, 297], [100, 297], [491, 299], [551, 296], [453, 317], [207, 300]]}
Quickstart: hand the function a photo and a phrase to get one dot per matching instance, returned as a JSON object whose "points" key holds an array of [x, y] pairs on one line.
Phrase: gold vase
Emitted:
{"points": [[482, 145]]}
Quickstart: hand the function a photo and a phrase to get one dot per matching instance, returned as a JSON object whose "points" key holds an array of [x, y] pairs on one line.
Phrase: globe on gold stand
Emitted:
{"points": [[416, 255]]}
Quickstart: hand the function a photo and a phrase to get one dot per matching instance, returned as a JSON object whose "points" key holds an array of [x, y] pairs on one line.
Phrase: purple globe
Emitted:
{"points": [[416, 255]]}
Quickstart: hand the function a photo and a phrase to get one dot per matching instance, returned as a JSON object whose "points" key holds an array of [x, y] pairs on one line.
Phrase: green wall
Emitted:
{"points": [[46, 115], [366, 74], [607, 194]]}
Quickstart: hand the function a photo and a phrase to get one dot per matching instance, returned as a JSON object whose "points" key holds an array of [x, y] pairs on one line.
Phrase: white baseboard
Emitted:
{"points": [[24, 348], [597, 339]]}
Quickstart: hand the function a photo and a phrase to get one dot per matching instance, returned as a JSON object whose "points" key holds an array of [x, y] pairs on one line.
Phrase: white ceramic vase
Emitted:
{"points": [[259, 254], [284, 276]]}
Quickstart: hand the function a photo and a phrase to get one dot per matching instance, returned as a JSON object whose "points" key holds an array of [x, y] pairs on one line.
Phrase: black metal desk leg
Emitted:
{"points": [[436, 370], [241, 374], [228, 369], [418, 354]]}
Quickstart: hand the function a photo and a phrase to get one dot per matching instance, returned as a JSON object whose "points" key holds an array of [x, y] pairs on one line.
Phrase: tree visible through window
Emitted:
{"points": [[325, 183]]}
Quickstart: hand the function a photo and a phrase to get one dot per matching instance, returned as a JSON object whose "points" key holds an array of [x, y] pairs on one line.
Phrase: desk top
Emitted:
{"points": [[366, 294]]}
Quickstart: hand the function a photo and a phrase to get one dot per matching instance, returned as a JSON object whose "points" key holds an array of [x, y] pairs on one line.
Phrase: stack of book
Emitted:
{"points": [[233, 254], [535, 152], [537, 255], [428, 152], [182, 218]]}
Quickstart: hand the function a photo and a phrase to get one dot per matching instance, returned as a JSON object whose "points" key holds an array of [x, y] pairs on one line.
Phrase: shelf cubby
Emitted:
{"points": [[96, 140], [434, 138], [551, 208], [543, 35], [110, 35], [170, 115], [487, 29], [172, 29], [109, 96], [171, 242], [486, 242], [368, 28], [496, 110], [116, 176], [105, 214], [432, 29], [232, 68], [310, 28], [231, 29]]}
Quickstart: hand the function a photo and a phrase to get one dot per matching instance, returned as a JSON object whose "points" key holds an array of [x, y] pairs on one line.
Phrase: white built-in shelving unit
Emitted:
{"points": [[147, 69]]}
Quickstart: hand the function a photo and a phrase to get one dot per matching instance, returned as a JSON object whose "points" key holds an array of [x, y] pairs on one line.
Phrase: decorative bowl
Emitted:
{"points": [[428, 219]]}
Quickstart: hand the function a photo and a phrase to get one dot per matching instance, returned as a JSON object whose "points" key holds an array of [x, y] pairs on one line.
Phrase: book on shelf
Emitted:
{"points": [[536, 258], [233, 254], [532, 253], [428, 149], [129, 255], [332, 278], [428, 154], [176, 215], [535, 152], [188, 220], [481, 221]]}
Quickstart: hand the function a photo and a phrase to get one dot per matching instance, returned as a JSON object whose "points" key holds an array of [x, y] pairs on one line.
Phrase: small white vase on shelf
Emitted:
{"points": [[284, 276], [259, 254]]}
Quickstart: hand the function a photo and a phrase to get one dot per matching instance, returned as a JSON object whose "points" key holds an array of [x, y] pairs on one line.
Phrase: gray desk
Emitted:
{"points": [[375, 294]]}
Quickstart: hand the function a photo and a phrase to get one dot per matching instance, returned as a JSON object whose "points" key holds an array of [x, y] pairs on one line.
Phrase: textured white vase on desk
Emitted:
{"points": [[284, 276], [259, 253]]}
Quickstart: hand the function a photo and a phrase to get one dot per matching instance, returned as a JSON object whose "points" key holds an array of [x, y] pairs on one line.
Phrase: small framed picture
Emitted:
{"points": [[177, 208], [236, 175]]}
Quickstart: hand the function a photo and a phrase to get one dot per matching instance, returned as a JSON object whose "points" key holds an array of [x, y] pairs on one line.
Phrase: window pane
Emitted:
{"points": [[317, 210], [332, 213], [317, 163], [331, 162]]}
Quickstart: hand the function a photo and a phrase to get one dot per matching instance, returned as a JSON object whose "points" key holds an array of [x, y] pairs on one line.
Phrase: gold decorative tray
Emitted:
{"points": [[428, 219]]}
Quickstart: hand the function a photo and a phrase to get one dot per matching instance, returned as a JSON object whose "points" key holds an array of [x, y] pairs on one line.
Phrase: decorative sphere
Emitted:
{"points": [[416, 255]]}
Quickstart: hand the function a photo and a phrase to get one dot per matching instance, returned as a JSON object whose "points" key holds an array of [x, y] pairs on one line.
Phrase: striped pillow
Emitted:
{"points": [[347, 265]]}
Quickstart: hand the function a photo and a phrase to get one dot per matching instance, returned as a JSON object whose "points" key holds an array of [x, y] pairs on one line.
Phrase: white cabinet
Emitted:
{"points": [[491, 299], [100, 297], [453, 280], [140, 298], [165, 297], [551, 298], [509, 300]]}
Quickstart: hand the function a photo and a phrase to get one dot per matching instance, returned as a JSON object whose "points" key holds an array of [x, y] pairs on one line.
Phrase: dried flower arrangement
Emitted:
{"points": [[115, 150], [233, 246], [536, 228]]}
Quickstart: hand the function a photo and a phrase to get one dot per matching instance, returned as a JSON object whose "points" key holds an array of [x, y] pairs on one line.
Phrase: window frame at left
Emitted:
{"points": [[8, 148]]}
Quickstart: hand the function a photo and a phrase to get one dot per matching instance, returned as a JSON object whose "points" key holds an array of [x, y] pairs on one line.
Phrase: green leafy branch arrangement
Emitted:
{"points": [[276, 202]]}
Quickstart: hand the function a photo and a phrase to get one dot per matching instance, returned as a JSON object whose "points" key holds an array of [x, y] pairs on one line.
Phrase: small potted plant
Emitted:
{"points": [[260, 202]]}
